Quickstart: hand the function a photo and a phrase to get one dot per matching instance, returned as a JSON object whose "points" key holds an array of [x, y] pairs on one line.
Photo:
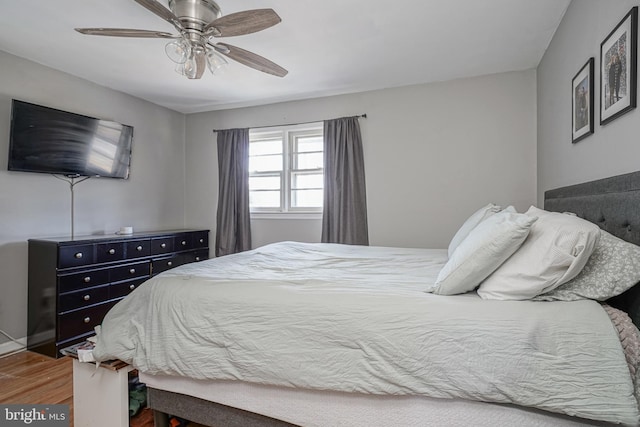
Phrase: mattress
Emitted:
{"points": [[312, 408]]}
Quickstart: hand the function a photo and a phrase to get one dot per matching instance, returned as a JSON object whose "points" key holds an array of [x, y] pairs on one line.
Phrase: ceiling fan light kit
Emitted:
{"points": [[178, 51], [198, 22], [216, 62]]}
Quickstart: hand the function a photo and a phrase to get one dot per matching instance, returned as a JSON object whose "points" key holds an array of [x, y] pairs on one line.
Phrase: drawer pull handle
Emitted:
{"points": [[139, 248], [87, 319], [197, 258], [201, 240], [169, 263], [112, 251], [132, 287], [86, 297], [132, 271], [183, 243], [164, 245], [78, 255], [87, 279]]}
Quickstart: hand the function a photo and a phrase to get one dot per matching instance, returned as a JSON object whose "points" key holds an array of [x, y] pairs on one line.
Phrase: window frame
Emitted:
{"points": [[288, 136]]}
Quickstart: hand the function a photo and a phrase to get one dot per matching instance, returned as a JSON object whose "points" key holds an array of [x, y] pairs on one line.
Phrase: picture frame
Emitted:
{"points": [[582, 102], [618, 77]]}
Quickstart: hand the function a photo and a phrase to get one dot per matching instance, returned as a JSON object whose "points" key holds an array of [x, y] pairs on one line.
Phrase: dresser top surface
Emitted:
{"points": [[97, 238]]}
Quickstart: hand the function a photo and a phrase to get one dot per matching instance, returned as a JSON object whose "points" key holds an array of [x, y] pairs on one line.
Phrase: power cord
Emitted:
{"points": [[15, 341]]}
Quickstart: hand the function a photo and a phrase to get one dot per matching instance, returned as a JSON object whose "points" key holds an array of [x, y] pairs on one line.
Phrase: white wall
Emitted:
{"points": [[613, 149], [434, 153], [38, 205]]}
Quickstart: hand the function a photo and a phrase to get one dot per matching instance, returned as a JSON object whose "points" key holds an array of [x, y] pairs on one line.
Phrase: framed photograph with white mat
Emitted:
{"points": [[582, 102], [618, 69]]}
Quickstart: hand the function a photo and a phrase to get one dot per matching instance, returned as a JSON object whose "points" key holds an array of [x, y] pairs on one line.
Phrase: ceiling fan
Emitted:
{"points": [[198, 22]]}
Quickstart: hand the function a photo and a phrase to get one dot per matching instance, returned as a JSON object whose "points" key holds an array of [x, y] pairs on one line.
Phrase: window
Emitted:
{"points": [[286, 172]]}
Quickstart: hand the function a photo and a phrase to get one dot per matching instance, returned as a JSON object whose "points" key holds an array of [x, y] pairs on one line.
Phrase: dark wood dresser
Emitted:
{"points": [[73, 283]]}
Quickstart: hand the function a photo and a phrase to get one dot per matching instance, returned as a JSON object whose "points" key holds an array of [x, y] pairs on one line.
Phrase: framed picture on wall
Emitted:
{"points": [[618, 69], [582, 102]]}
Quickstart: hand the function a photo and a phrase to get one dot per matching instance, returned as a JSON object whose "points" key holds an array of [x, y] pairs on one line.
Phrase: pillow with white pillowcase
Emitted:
{"points": [[487, 246], [476, 218], [556, 250]]}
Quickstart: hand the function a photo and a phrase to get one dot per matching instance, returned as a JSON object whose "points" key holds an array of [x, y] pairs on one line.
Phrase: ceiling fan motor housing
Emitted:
{"points": [[195, 14]]}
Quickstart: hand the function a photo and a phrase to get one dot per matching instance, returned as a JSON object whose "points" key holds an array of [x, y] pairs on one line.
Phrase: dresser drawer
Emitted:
{"points": [[191, 240], [138, 248], [195, 256], [85, 279], [183, 242], [123, 289], [75, 256], [73, 300], [81, 321], [164, 264], [109, 252], [162, 245], [130, 271], [200, 239]]}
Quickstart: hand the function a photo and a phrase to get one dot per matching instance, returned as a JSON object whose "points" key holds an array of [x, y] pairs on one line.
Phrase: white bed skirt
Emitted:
{"points": [[311, 408]]}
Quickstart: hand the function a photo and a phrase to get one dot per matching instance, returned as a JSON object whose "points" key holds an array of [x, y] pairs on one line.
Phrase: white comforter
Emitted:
{"points": [[357, 319]]}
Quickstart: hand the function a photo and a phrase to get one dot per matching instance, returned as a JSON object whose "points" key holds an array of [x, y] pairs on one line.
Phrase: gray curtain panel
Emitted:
{"points": [[344, 217], [233, 223]]}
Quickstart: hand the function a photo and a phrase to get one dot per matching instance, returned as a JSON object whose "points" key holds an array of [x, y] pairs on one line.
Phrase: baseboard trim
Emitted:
{"points": [[10, 347]]}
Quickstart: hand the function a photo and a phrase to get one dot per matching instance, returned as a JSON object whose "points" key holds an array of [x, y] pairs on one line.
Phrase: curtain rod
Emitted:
{"points": [[364, 116]]}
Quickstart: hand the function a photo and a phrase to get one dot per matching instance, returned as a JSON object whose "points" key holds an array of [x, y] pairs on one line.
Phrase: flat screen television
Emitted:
{"points": [[46, 140]]}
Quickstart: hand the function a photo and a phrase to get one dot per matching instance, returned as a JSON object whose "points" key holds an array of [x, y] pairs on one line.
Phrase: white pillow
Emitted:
{"points": [[476, 218], [557, 249], [486, 247]]}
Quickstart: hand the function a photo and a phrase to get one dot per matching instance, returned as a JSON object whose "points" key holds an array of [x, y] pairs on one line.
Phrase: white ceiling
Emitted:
{"points": [[329, 47]]}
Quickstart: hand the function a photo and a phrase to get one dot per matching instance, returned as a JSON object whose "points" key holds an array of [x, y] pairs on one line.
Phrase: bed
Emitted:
{"points": [[400, 362]]}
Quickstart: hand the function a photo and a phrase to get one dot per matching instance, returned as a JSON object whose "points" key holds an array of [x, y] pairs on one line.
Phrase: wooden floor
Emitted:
{"points": [[31, 378]]}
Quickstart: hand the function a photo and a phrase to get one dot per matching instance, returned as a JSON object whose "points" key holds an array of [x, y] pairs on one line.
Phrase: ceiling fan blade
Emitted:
{"points": [[201, 64], [161, 11], [250, 59], [124, 32], [240, 23]]}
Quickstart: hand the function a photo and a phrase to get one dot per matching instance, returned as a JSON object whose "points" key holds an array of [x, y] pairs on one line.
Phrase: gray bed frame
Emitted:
{"points": [[611, 203]]}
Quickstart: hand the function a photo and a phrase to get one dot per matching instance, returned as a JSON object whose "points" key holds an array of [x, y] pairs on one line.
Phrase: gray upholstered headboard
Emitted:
{"points": [[614, 204]]}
